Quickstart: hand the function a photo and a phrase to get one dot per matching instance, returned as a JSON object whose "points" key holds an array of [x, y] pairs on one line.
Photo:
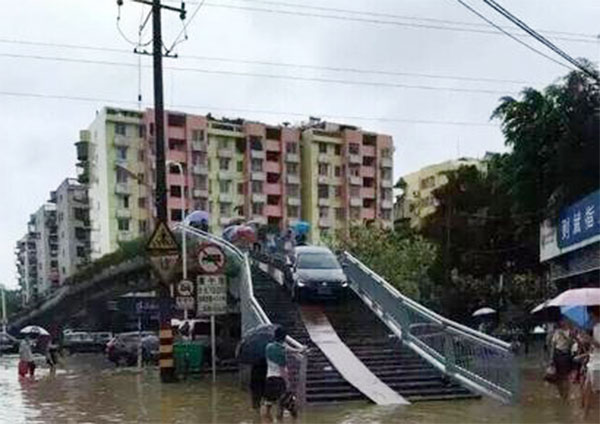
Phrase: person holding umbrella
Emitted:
{"points": [[592, 379], [26, 363]]}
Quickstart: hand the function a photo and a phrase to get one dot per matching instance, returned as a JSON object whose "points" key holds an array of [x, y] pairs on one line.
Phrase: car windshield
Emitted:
{"points": [[317, 261]]}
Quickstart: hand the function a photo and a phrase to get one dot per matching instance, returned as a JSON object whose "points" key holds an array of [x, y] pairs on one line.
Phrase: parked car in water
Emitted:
{"points": [[79, 342], [8, 344], [315, 273], [101, 338], [122, 349]]}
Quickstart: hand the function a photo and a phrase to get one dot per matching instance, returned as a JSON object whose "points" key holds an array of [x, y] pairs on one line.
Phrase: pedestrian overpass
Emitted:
{"points": [[378, 345]]}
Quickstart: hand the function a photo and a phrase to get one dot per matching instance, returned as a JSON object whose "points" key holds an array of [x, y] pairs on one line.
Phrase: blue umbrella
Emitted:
{"points": [[577, 314], [301, 227], [254, 342], [198, 218]]}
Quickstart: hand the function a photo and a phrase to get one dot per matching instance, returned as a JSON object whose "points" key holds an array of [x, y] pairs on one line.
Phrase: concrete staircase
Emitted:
{"points": [[397, 366]]}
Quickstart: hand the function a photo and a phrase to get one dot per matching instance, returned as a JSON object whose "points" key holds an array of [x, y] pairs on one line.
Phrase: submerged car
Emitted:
{"points": [[316, 273], [79, 342], [123, 348]]}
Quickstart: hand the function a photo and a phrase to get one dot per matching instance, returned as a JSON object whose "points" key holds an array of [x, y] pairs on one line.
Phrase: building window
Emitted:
{"points": [[141, 155], [176, 120], [337, 171], [293, 190], [121, 153], [323, 169], [354, 191], [323, 191], [121, 175], [125, 202], [80, 252], [273, 200], [291, 147], [224, 164], [368, 161], [338, 191], [386, 214], [354, 171], [141, 178], [224, 186], [387, 194], [120, 128], [175, 191], [80, 214], [255, 143], [272, 178], [273, 133], [386, 153], [292, 169], [257, 208], [197, 135], [123, 224], [386, 174], [223, 144], [322, 148], [257, 187], [240, 166], [368, 182], [176, 214], [354, 213], [142, 203], [340, 213], [257, 165], [337, 150], [142, 226], [292, 211], [353, 148], [323, 212], [240, 188], [225, 209]]}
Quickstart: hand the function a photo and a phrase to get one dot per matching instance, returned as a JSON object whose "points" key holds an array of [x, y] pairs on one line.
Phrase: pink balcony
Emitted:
{"points": [[176, 179], [273, 210], [273, 189], [368, 151], [270, 166], [367, 192], [175, 132], [352, 136], [273, 146], [177, 155], [367, 171], [367, 213], [384, 141], [254, 129], [290, 134]]}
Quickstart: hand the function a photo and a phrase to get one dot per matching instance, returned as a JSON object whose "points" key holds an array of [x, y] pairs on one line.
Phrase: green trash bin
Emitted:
{"points": [[188, 357]]}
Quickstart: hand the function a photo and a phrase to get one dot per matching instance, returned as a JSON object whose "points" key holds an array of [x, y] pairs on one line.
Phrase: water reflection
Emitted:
{"points": [[88, 389]]}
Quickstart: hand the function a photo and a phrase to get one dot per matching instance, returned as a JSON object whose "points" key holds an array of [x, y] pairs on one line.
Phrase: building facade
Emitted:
{"points": [[112, 163], [42, 250], [346, 177], [27, 273], [72, 217], [417, 200]]}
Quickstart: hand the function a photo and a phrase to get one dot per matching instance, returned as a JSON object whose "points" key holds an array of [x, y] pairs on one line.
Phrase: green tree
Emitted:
{"points": [[402, 259]]}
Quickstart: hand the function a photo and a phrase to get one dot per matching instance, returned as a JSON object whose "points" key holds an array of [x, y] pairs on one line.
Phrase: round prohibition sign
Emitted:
{"points": [[211, 259]]}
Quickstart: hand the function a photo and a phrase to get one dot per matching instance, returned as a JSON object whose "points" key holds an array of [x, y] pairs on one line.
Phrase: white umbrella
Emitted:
{"points": [[539, 330], [176, 322], [34, 330], [483, 311], [577, 297], [539, 307]]}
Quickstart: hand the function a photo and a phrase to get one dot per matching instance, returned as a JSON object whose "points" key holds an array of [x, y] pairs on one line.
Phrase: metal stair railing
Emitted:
{"points": [[483, 363], [253, 314]]}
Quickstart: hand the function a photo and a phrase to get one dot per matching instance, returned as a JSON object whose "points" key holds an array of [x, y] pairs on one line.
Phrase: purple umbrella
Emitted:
{"points": [[197, 218]]}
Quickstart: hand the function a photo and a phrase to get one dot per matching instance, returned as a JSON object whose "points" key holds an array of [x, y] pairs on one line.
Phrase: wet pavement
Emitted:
{"points": [[88, 389]]}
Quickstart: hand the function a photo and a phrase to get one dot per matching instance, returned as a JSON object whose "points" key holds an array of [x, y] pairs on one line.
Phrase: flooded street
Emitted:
{"points": [[88, 389]]}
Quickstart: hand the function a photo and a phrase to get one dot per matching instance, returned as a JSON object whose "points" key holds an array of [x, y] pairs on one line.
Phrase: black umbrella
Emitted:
{"points": [[254, 342]]}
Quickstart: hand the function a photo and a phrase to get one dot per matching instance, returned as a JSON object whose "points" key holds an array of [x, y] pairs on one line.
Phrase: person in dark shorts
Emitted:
{"points": [[560, 346], [258, 376], [277, 374]]}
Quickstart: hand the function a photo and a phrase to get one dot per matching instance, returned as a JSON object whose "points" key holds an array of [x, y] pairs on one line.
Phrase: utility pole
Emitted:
{"points": [[4, 322], [167, 370]]}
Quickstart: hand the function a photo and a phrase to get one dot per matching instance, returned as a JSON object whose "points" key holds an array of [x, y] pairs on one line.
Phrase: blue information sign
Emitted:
{"points": [[580, 221]]}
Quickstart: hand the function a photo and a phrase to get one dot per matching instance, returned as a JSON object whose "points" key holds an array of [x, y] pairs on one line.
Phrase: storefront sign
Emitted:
{"points": [[579, 221]]}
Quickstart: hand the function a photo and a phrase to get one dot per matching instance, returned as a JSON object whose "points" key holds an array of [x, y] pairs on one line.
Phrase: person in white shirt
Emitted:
{"points": [[26, 363], [591, 386]]}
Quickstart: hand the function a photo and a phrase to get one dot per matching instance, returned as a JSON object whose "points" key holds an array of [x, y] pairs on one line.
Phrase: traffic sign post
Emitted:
{"points": [[184, 298], [211, 291], [163, 252]]}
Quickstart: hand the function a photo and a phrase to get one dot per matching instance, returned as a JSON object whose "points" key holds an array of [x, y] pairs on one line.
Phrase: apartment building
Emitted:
{"points": [[27, 273], [417, 201], [346, 177], [112, 163], [232, 168], [72, 217]]}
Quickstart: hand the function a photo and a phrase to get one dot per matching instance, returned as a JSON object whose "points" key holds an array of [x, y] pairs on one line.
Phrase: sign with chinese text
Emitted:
{"points": [[211, 295], [579, 221]]}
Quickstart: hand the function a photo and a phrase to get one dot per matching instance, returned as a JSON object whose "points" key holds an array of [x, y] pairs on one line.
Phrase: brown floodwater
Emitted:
{"points": [[87, 389]]}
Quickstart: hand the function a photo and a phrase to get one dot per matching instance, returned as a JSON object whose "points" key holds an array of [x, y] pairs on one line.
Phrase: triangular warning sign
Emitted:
{"points": [[162, 239]]}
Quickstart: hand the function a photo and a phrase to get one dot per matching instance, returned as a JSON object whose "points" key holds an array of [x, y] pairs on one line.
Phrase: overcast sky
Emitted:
{"points": [[38, 133]]}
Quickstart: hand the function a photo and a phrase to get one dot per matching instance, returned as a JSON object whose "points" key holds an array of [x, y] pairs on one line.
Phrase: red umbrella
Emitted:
{"points": [[244, 233], [577, 297]]}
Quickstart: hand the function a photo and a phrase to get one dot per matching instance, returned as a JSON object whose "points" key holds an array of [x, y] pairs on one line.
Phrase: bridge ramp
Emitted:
{"points": [[343, 359]]}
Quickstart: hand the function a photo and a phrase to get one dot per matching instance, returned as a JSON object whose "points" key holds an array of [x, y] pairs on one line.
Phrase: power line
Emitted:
{"points": [[374, 21], [540, 38], [185, 25], [583, 37], [276, 64], [245, 110], [263, 75], [533, 49]]}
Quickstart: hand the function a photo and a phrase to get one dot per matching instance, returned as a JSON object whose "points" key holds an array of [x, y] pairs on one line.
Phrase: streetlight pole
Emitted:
{"points": [[184, 234], [3, 309]]}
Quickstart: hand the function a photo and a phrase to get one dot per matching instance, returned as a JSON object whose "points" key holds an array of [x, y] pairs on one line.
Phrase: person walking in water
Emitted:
{"points": [[26, 363], [275, 386], [560, 352]]}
